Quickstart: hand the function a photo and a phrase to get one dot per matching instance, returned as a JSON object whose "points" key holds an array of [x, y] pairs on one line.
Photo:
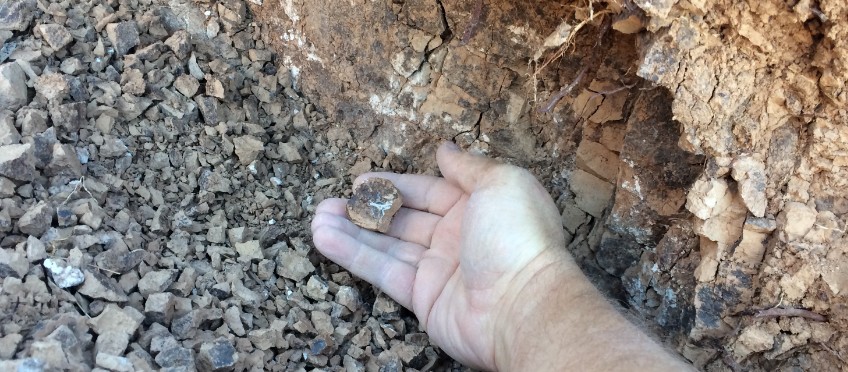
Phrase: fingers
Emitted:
{"points": [[409, 225], [425, 193], [463, 168], [388, 273], [331, 213]]}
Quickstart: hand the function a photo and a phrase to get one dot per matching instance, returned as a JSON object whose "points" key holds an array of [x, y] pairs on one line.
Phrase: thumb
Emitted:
{"points": [[464, 169]]}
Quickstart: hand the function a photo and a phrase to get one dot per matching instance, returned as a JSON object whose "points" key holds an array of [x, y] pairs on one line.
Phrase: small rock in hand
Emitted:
{"points": [[373, 204]]}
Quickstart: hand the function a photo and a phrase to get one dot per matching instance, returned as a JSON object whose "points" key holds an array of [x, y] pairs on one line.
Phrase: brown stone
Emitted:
{"points": [[374, 203]]}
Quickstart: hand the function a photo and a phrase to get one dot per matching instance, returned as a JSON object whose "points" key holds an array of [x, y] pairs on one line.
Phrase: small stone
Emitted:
{"points": [[17, 162], [63, 274], [750, 173], [70, 116], [214, 87], [248, 148], [156, 281], [595, 158], [36, 250], [57, 36], [187, 85], [374, 203], [64, 162], [185, 284], [116, 319], [132, 82], [218, 355], [796, 220], [118, 258], [293, 266], [179, 44], [249, 251], [176, 358], [263, 339], [708, 197], [8, 345], [209, 108], [7, 188], [348, 297], [112, 342], [71, 66], [213, 182], [159, 308], [97, 285], [31, 121], [323, 322], [16, 15], [316, 288], [124, 36], [13, 85], [112, 147], [247, 296], [13, 264], [289, 152], [50, 352], [232, 316], [36, 220], [8, 133], [592, 194], [114, 362], [629, 24]]}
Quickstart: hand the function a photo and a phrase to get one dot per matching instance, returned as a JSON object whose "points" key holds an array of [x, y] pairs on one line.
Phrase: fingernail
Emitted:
{"points": [[451, 146]]}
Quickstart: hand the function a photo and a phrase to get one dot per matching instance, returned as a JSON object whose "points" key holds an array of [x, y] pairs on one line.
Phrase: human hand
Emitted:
{"points": [[461, 251]]}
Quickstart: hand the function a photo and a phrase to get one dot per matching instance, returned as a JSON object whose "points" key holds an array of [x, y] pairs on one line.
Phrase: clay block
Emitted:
{"points": [[373, 204]]}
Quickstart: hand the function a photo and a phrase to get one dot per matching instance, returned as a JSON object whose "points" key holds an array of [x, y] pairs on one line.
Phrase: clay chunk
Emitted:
{"points": [[373, 204]]}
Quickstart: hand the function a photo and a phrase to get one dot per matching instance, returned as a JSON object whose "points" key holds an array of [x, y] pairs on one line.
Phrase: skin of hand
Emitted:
{"points": [[479, 257]]}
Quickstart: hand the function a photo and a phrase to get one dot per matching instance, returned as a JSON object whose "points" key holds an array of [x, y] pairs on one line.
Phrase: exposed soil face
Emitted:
{"points": [[697, 151], [160, 162]]}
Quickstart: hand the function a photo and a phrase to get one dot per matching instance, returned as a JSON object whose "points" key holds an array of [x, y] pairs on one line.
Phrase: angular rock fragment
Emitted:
{"points": [[750, 173], [36, 220], [97, 285], [8, 133], [114, 363], [796, 220], [249, 251], [57, 36], [13, 85], [12, 264], [374, 203], [116, 319], [592, 194], [16, 15], [63, 274], [64, 162], [159, 308], [156, 281], [187, 85], [124, 36], [248, 148], [293, 266], [180, 44], [218, 355]]}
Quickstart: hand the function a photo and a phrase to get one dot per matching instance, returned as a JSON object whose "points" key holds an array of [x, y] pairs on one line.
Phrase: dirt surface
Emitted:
{"points": [[160, 162]]}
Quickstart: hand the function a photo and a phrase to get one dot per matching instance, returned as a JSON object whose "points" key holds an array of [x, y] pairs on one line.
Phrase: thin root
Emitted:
{"points": [[790, 312], [564, 91]]}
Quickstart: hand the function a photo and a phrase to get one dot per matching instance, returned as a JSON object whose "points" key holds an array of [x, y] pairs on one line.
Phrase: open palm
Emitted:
{"points": [[458, 253]]}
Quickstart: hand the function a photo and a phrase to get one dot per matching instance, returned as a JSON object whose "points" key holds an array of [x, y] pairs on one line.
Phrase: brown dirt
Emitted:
{"points": [[160, 162]]}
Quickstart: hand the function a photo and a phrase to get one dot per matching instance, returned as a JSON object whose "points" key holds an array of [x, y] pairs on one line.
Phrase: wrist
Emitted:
{"points": [[546, 298]]}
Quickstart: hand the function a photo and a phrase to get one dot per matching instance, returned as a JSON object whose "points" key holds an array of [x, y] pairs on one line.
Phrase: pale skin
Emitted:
{"points": [[479, 257]]}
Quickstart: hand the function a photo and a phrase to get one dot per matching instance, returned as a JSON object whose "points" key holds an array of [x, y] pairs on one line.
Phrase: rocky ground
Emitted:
{"points": [[158, 171], [160, 162]]}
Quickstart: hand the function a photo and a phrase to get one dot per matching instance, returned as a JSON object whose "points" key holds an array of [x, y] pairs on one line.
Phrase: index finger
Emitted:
{"points": [[426, 193]]}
